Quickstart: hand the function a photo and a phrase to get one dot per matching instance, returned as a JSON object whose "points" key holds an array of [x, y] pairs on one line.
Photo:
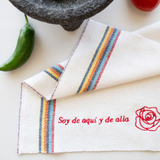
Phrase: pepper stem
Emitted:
{"points": [[26, 18]]}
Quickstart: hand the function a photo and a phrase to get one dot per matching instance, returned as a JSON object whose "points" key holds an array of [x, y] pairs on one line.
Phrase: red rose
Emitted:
{"points": [[146, 119]]}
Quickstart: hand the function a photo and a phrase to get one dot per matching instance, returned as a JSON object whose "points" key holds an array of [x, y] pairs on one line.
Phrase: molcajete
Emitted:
{"points": [[68, 13]]}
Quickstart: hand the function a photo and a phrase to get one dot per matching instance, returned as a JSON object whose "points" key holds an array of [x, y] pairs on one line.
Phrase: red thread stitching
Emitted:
{"points": [[147, 116], [35, 91], [70, 59], [19, 118]]}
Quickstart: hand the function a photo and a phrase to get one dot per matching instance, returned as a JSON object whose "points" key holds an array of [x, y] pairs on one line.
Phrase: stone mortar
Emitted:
{"points": [[68, 13]]}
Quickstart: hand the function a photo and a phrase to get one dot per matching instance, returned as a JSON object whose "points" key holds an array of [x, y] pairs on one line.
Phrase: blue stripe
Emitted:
{"points": [[57, 69], [50, 127], [40, 125], [103, 60], [93, 59], [51, 75]]}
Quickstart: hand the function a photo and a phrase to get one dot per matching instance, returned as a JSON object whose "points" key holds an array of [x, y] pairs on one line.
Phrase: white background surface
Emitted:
{"points": [[53, 45]]}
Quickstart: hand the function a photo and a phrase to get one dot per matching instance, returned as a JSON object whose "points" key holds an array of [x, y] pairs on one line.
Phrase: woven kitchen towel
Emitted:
{"points": [[106, 97]]}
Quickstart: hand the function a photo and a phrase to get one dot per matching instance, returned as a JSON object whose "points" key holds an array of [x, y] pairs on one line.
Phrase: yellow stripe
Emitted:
{"points": [[55, 75], [96, 59], [43, 126]]}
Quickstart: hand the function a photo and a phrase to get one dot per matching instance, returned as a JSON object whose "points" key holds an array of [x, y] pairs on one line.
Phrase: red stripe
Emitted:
{"points": [[106, 61], [54, 71], [53, 121], [60, 66]]}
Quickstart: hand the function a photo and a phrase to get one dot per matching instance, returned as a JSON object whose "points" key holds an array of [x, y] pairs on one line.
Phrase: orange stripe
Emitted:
{"points": [[99, 58], [45, 128], [54, 72]]}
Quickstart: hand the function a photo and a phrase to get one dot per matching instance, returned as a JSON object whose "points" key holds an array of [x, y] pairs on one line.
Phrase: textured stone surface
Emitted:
{"points": [[68, 13]]}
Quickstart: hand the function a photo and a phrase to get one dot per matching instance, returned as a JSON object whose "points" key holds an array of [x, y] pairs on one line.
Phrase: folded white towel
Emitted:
{"points": [[116, 73]]}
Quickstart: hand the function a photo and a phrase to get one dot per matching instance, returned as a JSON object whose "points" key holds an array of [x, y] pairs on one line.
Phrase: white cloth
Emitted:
{"points": [[119, 109]]}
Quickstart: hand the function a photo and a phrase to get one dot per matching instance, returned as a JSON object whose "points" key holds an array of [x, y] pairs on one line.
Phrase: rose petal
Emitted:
{"points": [[138, 112], [155, 126], [155, 110], [151, 121], [144, 113], [138, 125], [149, 116], [145, 125]]}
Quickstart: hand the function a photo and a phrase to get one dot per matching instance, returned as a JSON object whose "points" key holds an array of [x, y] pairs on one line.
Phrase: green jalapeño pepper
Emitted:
{"points": [[23, 48]]}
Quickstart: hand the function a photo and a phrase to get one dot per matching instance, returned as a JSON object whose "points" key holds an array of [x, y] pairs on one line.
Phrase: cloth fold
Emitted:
{"points": [[118, 71]]}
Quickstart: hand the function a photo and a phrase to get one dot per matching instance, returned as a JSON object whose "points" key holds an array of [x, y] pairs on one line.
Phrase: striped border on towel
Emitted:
{"points": [[99, 60], [55, 71], [46, 126]]}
